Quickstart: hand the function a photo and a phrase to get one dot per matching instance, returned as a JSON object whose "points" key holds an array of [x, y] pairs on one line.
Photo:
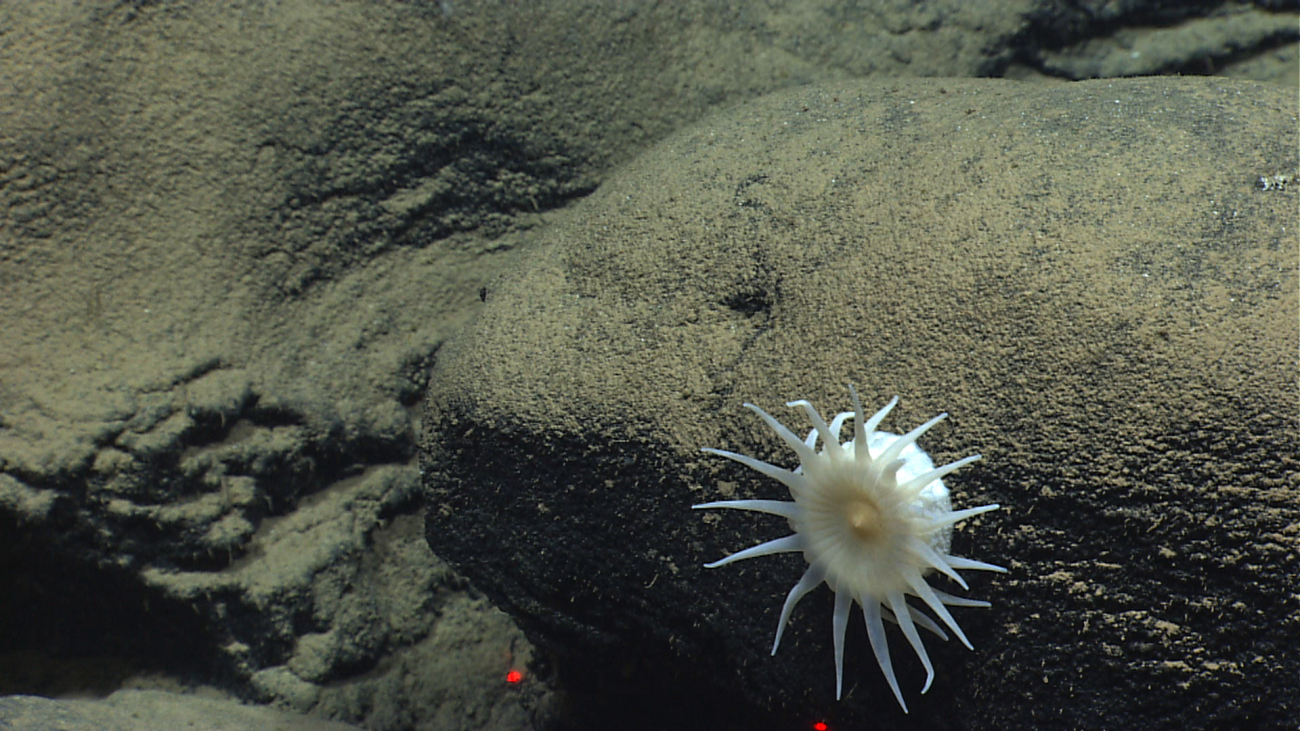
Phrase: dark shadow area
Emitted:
{"points": [[640, 694], [71, 629]]}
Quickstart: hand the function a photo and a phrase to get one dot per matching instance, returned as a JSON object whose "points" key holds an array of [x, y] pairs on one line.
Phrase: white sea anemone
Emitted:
{"points": [[871, 523]]}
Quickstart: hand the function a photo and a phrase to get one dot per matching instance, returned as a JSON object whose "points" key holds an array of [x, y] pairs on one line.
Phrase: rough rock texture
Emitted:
{"points": [[1090, 278], [1085, 39], [132, 710], [233, 238]]}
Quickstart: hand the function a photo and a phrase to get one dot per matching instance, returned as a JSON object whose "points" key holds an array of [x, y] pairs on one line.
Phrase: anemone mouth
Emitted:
{"points": [[859, 528], [865, 521]]}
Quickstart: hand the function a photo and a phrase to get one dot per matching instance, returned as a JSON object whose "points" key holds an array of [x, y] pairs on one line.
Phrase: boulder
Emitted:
{"points": [[1096, 280]]}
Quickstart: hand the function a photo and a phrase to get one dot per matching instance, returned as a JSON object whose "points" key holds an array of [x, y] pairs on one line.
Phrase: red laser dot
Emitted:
{"points": [[514, 676], [819, 726]]}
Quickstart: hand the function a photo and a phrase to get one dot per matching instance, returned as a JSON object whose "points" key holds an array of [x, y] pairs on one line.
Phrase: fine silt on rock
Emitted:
{"points": [[1089, 278]]}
